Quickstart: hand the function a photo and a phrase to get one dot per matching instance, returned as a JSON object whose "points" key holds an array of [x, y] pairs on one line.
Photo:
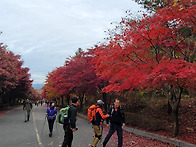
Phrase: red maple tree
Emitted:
{"points": [[14, 79], [76, 76], [154, 52]]}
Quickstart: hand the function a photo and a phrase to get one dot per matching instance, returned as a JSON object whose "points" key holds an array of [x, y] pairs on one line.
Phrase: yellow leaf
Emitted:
{"points": [[175, 4], [181, 9]]}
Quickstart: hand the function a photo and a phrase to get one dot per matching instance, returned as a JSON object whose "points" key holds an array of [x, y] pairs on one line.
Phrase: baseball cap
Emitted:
{"points": [[100, 102]]}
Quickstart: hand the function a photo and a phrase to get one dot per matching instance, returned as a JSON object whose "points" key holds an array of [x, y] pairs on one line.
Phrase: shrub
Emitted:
{"points": [[132, 119], [141, 121]]}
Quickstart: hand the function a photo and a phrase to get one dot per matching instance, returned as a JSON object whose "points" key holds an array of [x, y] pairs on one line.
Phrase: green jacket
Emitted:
{"points": [[27, 106]]}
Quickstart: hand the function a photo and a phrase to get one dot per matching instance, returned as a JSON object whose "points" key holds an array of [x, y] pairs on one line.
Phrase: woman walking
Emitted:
{"points": [[51, 113]]}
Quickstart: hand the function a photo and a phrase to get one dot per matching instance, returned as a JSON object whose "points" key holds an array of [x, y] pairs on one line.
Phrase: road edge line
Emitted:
{"points": [[36, 130]]}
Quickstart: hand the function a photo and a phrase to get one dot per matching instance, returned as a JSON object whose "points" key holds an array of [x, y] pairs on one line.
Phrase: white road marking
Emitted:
{"points": [[37, 134]]}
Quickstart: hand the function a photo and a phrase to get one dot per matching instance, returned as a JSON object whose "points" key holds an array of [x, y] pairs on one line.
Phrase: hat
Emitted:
{"points": [[100, 102], [74, 100]]}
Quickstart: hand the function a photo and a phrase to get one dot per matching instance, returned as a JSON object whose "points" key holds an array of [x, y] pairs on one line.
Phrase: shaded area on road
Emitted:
{"points": [[16, 133]]}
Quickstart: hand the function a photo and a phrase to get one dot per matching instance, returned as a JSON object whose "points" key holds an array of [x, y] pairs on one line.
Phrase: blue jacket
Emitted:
{"points": [[51, 112]]}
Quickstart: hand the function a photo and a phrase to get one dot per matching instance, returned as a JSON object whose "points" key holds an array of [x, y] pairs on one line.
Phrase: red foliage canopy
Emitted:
{"points": [[76, 76], [161, 46], [13, 77]]}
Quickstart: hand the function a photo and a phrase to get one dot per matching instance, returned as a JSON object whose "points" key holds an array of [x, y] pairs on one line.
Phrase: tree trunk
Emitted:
{"points": [[176, 126], [174, 102], [1, 101], [68, 99], [62, 102], [81, 97], [105, 101], [10, 100], [169, 108]]}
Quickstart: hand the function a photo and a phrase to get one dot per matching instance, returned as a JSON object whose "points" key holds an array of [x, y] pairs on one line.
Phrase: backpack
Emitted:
{"points": [[91, 113], [62, 116]]}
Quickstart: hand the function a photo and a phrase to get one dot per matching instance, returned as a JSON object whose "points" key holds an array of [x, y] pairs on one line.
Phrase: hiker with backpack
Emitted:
{"points": [[51, 113], [27, 107], [117, 120], [96, 116], [69, 123]]}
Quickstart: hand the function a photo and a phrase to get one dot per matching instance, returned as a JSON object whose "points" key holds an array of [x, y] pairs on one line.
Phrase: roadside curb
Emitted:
{"points": [[153, 136], [9, 107], [5, 110]]}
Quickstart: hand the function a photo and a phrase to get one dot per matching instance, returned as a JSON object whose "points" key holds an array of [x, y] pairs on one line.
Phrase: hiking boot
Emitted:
{"points": [[104, 145], [50, 134]]}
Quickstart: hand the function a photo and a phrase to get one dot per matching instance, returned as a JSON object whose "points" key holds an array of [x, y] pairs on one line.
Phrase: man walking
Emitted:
{"points": [[117, 120], [27, 107], [70, 127], [99, 116]]}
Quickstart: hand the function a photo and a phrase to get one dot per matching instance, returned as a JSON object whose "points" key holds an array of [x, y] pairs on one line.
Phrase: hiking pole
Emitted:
{"points": [[44, 124], [56, 127], [101, 132]]}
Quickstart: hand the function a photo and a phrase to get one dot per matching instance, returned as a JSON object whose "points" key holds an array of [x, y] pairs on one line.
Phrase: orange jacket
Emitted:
{"points": [[99, 116]]}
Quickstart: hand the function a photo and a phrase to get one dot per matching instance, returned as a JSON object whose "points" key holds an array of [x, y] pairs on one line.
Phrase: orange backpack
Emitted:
{"points": [[91, 113]]}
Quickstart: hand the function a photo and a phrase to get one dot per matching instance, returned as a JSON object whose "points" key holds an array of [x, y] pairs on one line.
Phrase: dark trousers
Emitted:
{"points": [[51, 124], [113, 128], [68, 137], [27, 115]]}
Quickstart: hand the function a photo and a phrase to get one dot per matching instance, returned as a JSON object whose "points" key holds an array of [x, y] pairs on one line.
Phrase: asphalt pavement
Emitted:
{"points": [[14, 132]]}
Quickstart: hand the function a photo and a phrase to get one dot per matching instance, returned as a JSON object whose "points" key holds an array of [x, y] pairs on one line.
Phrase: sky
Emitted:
{"points": [[46, 32]]}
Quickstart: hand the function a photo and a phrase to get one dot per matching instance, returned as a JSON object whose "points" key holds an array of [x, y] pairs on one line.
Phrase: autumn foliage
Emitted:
{"points": [[77, 76], [163, 40], [15, 83], [156, 51]]}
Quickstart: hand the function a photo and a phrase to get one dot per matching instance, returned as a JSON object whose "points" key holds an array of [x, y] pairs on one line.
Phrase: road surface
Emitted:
{"points": [[14, 132]]}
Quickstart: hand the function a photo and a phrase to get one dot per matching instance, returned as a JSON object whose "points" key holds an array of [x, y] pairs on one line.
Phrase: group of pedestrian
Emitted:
{"points": [[115, 117], [38, 102], [69, 128]]}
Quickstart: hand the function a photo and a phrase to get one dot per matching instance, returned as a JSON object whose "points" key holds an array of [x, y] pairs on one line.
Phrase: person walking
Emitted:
{"points": [[51, 113], [117, 120], [37, 102], [99, 116], [27, 107], [70, 127]]}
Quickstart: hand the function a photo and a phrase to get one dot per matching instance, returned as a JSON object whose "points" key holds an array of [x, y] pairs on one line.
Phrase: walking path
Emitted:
{"points": [[154, 136], [16, 133]]}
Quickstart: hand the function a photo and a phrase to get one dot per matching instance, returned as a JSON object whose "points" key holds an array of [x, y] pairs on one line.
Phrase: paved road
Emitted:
{"points": [[14, 132]]}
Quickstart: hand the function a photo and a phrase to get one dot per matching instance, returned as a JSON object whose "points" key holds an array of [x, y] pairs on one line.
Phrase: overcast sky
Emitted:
{"points": [[46, 32]]}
